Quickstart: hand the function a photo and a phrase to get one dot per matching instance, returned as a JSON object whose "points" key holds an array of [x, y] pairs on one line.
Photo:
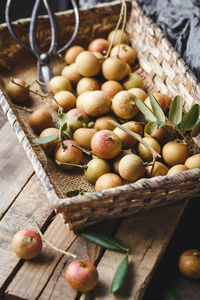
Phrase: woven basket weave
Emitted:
{"points": [[162, 70]]}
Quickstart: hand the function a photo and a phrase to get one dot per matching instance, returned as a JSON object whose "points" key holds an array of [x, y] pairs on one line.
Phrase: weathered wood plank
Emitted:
{"points": [[57, 287], [37, 272], [30, 206], [146, 236], [15, 168]]}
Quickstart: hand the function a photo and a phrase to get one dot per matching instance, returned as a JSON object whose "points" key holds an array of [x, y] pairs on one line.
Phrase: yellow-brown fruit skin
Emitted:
{"points": [[72, 53], [87, 64], [131, 167], [107, 181], [117, 159], [124, 39], [102, 123], [144, 152], [126, 53], [16, 92], [189, 264], [127, 140], [162, 99], [49, 147], [113, 68], [83, 137], [123, 105], [71, 73], [193, 161], [175, 153], [177, 169], [96, 168], [86, 84], [59, 83], [158, 170], [133, 80], [139, 93], [40, 120], [66, 99], [98, 104]]}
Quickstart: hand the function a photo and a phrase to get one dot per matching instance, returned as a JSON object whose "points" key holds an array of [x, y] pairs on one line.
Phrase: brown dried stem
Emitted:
{"points": [[55, 248], [23, 108], [138, 138]]}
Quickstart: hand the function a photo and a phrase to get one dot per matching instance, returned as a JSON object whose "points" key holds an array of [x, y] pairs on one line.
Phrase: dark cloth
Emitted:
{"points": [[180, 22]]}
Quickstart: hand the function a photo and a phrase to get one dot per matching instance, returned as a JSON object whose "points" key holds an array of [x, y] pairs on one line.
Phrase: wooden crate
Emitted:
{"points": [[161, 69]]}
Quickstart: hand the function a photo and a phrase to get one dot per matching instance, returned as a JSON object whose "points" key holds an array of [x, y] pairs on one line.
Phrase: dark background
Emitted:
{"points": [[180, 21]]}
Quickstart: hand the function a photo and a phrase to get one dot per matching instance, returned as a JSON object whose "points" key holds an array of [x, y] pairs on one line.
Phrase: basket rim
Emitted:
{"points": [[151, 183]]}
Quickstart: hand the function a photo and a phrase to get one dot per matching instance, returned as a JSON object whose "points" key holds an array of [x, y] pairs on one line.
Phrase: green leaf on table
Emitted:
{"points": [[190, 118], [46, 139], [150, 128], [149, 116], [176, 111], [104, 241], [170, 295], [196, 129], [157, 109], [120, 275]]}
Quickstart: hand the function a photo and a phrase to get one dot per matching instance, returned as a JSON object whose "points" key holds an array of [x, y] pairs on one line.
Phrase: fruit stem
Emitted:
{"points": [[42, 86], [138, 138], [23, 108], [70, 164], [116, 28], [53, 247], [123, 24], [27, 88], [84, 150]]}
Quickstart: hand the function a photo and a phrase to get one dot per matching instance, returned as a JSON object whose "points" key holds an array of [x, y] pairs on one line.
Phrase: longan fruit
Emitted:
{"points": [[40, 119], [176, 169], [175, 153], [66, 99], [107, 181], [49, 147], [131, 167], [158, 170], [146, 153], [72, 53], [193, 161]]}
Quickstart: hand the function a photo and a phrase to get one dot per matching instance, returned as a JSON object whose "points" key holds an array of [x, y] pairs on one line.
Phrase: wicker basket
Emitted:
{"points": [[162, 70]]}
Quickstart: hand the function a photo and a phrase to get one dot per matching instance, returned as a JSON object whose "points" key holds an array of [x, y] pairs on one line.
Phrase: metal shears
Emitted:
{"points": [[44, 59]]}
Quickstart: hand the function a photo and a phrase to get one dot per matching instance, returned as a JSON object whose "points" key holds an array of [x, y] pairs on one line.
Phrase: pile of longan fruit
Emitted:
{"points": [[93, 89]]}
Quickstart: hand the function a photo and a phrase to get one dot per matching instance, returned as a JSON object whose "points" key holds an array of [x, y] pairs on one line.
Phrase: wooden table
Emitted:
{"points": [[23, 201]]}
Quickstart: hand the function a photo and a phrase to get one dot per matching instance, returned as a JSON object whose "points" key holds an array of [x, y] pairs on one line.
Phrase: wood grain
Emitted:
{"points": [[15, 168], [146, 236], [36, 273], [57, 288], [30, 206]]}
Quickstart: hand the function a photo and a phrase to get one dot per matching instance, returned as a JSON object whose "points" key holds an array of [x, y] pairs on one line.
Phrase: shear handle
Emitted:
{"points": [[32, 31], [7, 17]]}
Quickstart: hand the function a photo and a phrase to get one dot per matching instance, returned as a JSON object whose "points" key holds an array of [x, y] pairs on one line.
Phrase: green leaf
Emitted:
{"points": [[104, 241], [120, 275], [76, 193], [46, 139], [150, 128], [149, 116], [170, 295], [157, 109], [190, 119], [62, 118], [176, 111], [196, 129]]}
